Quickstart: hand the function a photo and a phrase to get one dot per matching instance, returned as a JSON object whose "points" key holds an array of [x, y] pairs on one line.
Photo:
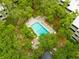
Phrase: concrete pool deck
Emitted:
{"points": [[35, 42], [42, 22]]}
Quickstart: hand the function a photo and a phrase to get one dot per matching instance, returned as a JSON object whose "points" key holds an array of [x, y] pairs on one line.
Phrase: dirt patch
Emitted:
{"points": [[56, 23], [62, 42], [20, 36]]}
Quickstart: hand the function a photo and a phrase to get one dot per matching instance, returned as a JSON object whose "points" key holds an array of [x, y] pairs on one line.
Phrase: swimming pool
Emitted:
{"points": [[39, 29]]}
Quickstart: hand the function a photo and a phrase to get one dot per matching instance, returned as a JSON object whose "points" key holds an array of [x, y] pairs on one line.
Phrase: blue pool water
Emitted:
{"points": [[39, 28]]}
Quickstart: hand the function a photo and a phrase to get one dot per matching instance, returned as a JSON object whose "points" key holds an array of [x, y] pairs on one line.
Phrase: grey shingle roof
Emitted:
{"points": [[46, 55]]}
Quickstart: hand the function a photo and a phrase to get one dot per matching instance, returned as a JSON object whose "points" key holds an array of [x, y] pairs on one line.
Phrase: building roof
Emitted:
{"points": [[76, 22], [65, 0], [1, 7], [74, 5], [47, 55], [62, 0], [78, 30]]}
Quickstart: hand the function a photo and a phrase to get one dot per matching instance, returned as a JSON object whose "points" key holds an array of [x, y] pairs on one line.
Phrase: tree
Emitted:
{"points": [[69, 51], [8, 42], [48, 41], [16, 37], [18, 11]]}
